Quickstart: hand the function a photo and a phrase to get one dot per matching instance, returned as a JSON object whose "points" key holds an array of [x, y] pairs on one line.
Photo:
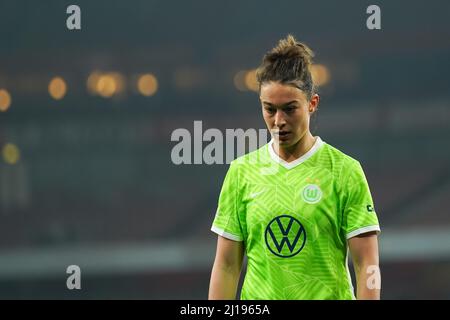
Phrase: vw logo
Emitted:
{"points": [[285, 236]]}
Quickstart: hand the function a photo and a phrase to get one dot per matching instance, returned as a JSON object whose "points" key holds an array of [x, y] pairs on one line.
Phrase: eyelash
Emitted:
{"points": [[287, 110]]}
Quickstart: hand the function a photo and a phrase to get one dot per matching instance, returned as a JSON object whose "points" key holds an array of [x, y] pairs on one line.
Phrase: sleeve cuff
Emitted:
{"points": [[225, 234], [363, 230]]}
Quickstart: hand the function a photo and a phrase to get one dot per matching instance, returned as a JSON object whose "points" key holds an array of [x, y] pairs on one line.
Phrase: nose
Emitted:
{"points": [[279, 119]]}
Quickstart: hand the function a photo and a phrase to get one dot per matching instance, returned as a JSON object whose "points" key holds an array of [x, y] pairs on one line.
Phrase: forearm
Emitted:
{"points": [[224, 283], [368, 281]]}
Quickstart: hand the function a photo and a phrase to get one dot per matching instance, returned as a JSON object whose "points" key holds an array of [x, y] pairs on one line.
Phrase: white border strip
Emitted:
{"points": [[289, 165], [225, 234], [363, 230]]}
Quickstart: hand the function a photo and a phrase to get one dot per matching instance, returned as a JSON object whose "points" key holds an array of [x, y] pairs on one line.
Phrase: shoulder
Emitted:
{"points": [[339, 163], [249, 165], [334, 159], [251, 159], [338, 155]]}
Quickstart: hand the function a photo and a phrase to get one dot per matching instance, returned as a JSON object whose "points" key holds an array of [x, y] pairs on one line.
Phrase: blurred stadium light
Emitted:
{"points": [[57, 88], [5, 100]]}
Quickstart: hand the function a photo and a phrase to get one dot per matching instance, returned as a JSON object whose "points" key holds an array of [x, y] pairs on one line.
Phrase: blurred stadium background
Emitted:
{"points": [[86, 117]]}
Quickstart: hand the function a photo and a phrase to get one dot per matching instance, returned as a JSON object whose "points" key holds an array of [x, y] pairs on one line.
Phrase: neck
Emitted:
{"points": [[297, 150]]}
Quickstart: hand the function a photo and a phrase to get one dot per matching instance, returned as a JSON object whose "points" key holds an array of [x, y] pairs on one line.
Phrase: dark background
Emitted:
{"points": [[89, 180]]}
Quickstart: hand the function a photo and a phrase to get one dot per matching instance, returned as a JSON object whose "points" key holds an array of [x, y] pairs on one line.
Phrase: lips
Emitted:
{"points": [[282, 135]]}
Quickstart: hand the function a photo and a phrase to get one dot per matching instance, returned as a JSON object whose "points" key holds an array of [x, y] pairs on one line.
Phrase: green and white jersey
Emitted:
{"points": [[295, 219]]}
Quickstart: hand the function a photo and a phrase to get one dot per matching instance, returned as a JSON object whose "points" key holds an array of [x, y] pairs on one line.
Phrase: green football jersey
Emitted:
{"points": [[295, 219]]}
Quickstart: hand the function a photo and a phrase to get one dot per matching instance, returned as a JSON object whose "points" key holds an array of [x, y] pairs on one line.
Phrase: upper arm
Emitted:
{"points": [[229, 254], [364, 248], [364, 251]]}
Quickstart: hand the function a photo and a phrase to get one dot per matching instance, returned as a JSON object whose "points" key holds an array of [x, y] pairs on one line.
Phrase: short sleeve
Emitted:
{"points": [[226, 222], [358, 214]]}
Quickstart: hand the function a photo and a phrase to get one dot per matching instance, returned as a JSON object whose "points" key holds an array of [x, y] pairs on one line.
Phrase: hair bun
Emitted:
{"points": [[290, 48], [289, 63]]}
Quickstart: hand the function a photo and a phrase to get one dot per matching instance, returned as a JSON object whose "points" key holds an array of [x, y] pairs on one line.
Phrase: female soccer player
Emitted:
{"points": [[296, 205]]}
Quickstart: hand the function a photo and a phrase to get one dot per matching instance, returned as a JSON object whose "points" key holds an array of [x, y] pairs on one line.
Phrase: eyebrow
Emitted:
{"points": [[285, 104]]}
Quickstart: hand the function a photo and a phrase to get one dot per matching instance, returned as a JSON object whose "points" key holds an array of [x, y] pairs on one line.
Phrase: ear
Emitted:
{"points": [[314, 103]]}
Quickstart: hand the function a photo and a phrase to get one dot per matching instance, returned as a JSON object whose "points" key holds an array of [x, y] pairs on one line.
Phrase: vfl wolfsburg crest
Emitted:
{"points": [[311, 193]]}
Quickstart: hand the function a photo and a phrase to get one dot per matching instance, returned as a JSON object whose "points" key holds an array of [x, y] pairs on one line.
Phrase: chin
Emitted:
{"points": [[292, 141], [284, 143]]}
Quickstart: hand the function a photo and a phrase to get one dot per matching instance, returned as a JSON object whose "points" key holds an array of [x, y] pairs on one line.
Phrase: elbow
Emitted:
{"points": [[228, 266]]}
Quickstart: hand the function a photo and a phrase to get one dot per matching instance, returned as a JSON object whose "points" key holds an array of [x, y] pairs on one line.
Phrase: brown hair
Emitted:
{"points": [[288, 63]]}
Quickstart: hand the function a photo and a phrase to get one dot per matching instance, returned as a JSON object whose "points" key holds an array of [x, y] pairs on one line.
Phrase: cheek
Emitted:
{"points": [[266, 118], [302, 122]]}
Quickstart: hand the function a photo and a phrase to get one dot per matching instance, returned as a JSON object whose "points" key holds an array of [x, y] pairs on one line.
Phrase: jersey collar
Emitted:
{"points": [[289, 165]]}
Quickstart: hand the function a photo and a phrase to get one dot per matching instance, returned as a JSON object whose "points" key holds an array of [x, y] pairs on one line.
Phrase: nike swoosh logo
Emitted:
{"points": [[255, 194]]}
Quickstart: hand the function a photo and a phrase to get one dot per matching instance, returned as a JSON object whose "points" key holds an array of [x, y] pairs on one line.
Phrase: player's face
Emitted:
{"points": [[286, 111]]}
